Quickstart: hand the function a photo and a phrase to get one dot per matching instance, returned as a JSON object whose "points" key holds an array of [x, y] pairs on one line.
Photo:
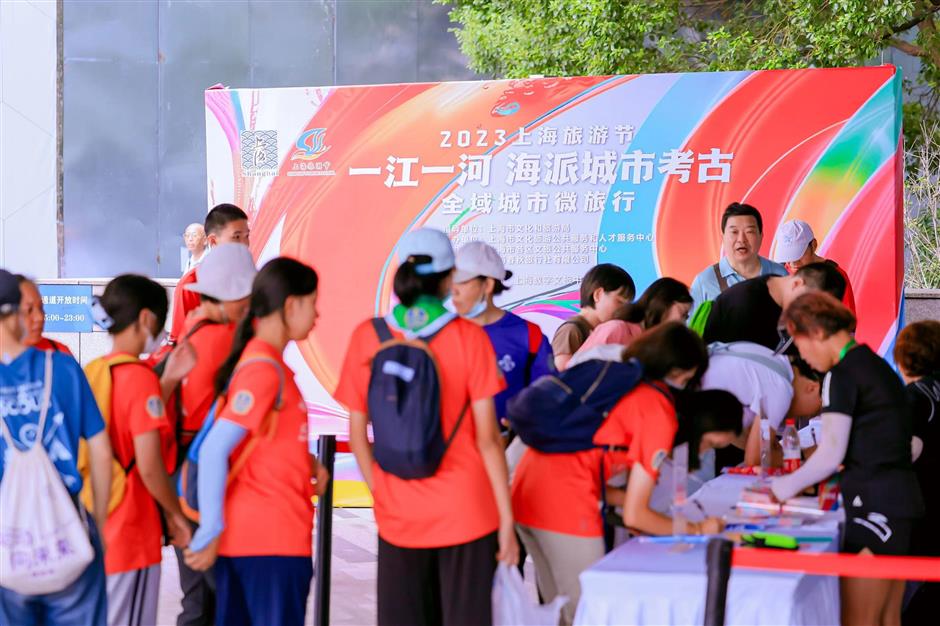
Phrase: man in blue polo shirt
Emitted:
{"points": [[522, 351], [742, 230]]}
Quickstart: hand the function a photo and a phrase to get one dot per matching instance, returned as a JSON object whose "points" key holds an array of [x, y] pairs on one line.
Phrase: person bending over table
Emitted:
{"points": [[556, 496], [771, 386], [867, 429]]}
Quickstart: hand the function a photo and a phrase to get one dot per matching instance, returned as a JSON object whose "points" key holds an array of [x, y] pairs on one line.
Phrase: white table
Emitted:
{"points": [[647, 583]]}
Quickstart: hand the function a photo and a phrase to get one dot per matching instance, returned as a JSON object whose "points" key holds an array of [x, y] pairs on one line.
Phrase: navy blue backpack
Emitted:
{"points": [[561, 413], [404, 403]]}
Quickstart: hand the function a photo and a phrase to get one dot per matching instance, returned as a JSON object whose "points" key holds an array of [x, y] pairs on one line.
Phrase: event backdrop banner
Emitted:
{"points": [[559, 174]]}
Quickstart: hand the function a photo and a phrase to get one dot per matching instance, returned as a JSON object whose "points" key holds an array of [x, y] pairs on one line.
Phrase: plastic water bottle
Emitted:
{"points": [[792, 454]]}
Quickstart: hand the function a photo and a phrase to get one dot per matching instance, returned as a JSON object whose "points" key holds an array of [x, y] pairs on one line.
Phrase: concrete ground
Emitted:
{"points": [[352, 601]]}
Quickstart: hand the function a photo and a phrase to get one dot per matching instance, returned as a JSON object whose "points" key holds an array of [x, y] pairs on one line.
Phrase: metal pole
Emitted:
{"points": [[718, 567], [326, 455]]}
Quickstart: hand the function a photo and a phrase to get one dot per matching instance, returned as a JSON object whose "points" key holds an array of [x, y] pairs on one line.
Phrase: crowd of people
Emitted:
{"points": [[200, 441]]}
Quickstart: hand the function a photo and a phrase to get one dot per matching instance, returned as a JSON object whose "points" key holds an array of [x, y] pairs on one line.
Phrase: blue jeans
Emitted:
{"points": [[83, 603], [262, 590]]}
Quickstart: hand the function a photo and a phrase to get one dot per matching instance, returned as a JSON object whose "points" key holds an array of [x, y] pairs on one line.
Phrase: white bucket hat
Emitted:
{"points": [[226, 274]]}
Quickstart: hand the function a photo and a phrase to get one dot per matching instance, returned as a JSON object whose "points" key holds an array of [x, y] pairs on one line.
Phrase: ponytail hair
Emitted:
{"points": [[409, 285], [278, 280], [652, 307], [129, 294]]}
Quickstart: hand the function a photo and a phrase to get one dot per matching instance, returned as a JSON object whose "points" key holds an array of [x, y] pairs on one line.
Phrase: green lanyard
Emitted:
{"points": [[851, 344]]}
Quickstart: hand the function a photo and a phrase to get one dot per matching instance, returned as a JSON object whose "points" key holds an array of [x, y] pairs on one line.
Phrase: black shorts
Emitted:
{"points": [[877, 532]]}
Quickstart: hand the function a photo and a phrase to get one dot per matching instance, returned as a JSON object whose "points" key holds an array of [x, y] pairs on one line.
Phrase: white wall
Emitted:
{"points": [[28, 237]]}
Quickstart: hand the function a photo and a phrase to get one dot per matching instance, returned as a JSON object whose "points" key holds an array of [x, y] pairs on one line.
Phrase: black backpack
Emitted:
{"points": [[562, 413], [404, 404]]}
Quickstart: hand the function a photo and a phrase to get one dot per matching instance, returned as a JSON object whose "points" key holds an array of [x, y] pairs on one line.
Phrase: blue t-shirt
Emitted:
{"points": [[510, 338], [73, 412], [705, 286]]}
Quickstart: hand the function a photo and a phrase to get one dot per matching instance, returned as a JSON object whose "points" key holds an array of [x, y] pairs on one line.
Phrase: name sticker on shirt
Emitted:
{"points": [[155, 407], [243, 402]]}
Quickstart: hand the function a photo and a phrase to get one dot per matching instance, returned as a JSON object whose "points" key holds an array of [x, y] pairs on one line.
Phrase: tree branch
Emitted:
{"points": [[930, 28], [907, 48], [911, 23]]}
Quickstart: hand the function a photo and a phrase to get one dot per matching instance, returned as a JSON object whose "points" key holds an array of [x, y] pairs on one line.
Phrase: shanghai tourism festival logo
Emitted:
{"points": [[310, 145]]}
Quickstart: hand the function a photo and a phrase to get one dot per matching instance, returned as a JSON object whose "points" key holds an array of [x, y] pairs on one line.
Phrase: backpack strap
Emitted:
{"points": [[767, 361], [584, 330], [271, 419], [722, 281], [277, 367], [535, 342], [382, 329], [43, 411]]}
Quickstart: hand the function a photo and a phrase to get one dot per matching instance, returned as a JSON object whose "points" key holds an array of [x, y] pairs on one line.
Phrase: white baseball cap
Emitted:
{"points": [[430, 243], [792, 239], [226, 273], [479, 259]]}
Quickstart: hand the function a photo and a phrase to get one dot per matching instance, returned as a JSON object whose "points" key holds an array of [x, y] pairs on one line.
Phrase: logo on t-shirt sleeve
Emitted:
{"points": [[243, 402], [659, 457], [155, 407]]}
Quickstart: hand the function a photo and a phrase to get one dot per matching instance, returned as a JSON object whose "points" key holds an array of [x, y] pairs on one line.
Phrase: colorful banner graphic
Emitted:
{"points": [[559, 174]]}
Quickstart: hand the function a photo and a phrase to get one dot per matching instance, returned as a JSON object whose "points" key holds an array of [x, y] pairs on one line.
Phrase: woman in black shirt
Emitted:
{"points": [[867, 429], [917, 353]]}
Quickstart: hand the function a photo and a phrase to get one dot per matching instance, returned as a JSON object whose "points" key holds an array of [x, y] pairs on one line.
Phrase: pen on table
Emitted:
{"points": [[675, 539]]}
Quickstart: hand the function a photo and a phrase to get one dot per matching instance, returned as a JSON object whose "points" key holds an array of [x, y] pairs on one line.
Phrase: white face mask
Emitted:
{"points": [[154, 342]]}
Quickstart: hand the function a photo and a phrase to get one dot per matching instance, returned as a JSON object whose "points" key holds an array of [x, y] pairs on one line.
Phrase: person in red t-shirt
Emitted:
{"points": [[34, 317], [133, 310], [439, 537], [224, 289], [225, 223], [796, 248], [256, 523], [556, 497]]}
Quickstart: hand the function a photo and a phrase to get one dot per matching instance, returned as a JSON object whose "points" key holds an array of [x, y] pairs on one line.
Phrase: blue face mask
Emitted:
{"points": [[476, 310]]}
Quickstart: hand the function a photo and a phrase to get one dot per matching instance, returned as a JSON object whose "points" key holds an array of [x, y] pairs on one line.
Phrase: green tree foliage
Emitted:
{"points": [[518, 38]]}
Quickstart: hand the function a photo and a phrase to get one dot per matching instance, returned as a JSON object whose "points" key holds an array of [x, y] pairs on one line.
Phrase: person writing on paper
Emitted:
{"points": [[750, 310], [772, 387], [796, 247], [565, 539], [867, 429]]}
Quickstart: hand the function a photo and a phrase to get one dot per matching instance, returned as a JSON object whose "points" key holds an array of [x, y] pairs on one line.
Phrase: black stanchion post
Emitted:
{"points": [[327, 454], [718, 566]]}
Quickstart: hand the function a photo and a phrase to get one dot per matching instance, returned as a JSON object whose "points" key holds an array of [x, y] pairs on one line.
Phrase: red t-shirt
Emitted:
{"points": [[184, 303], [268, 505], [45, 344], [212, 343], [133, 531], [849, 298], [456, 505], [561, 492]]}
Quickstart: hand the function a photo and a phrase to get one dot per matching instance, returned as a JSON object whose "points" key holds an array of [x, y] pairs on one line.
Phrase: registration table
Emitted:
{"points": [[656, 583]]}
